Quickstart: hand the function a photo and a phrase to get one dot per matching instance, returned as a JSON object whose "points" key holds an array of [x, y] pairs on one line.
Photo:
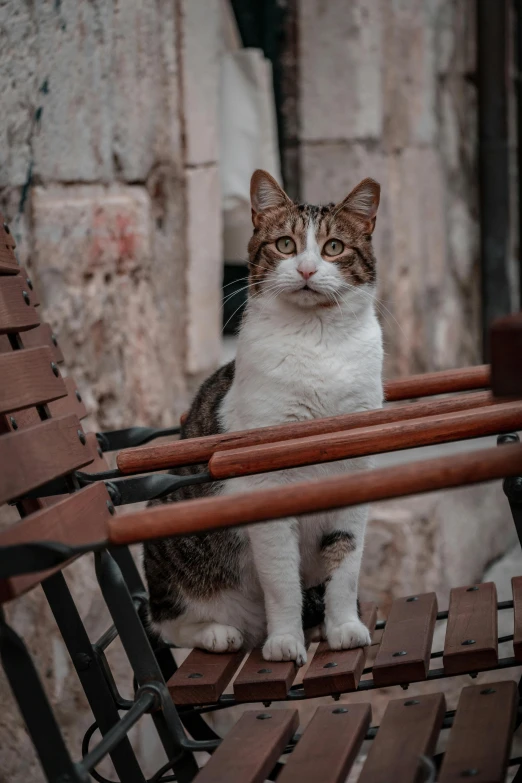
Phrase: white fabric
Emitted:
{"points": [[248, 141]]}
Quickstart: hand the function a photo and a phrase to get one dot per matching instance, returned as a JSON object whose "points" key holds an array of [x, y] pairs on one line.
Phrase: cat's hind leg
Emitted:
{"points": [[341, 550]]}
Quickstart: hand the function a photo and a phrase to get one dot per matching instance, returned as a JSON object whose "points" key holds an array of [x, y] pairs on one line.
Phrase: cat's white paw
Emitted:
{"points": [[348, 635], [284, 647], [221, 638]]}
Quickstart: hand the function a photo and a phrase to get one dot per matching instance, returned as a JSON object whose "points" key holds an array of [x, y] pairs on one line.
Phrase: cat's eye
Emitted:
{"points": [[286, 245], [334, 247]]}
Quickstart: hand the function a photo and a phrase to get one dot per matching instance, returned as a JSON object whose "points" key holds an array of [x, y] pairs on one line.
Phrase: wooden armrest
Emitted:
{"points": [[194, 451], [195, 516], [442, 382], [505, 417]]}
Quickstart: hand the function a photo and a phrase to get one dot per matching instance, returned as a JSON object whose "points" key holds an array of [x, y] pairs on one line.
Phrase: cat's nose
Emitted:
{"points": [[306, 272]]}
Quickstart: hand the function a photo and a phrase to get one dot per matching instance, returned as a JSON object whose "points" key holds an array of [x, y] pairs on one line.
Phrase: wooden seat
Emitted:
{"points": [[45, 459]]}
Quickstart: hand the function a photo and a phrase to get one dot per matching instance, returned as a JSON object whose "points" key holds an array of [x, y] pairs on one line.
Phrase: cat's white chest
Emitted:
{"points": [[302, 371]]}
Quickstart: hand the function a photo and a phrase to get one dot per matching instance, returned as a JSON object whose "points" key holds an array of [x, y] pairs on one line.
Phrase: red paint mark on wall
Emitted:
{"points": [[113, 239]]}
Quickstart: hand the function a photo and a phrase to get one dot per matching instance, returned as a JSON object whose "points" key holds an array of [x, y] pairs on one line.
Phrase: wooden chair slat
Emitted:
{"points": [[408, 730], [481, 736], [338, 671], [329, 745], [42, 335], [203, 676], [308, 497], [17, 313], [39, 454], [440, 382], [8, 262], [71, 403], [78, 519], [29, 287], [261, 680], [471, 642], [28, 379], [192, 451], [516, 585], [506, 350], [20, 420], [251, 749], [448, 428], [404, 653]]}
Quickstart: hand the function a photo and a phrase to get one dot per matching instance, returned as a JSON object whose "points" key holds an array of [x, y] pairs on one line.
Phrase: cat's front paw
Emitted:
{"points": [[348, 635], [284, 647], [221, 638]]}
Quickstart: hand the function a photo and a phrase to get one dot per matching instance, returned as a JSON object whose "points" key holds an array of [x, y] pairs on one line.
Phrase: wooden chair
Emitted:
{"points": [[57, 477]]}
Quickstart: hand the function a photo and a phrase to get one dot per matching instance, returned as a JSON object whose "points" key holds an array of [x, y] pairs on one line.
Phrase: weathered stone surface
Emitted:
{"points": [[73, 138], [145, 101], [110, 301], [19, 69], [409, 88], [204, 271], [202, 45], [341, 70], [90, 90], [434, 542]]}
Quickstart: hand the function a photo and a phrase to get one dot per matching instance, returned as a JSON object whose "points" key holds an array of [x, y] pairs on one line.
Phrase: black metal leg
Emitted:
{"points": [[144, 664], [90, 673], [195, 724], [36, 710]]}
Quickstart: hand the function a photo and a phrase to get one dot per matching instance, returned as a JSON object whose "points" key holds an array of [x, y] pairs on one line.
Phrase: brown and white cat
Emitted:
{"points": [[309, 346]]}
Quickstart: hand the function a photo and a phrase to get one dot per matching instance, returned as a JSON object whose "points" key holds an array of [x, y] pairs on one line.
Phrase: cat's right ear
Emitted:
{"points": [[265, 193]]}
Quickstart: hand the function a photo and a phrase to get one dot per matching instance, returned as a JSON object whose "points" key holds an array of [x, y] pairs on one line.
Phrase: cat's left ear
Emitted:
{"points": [[364, 201], [265, 193]]}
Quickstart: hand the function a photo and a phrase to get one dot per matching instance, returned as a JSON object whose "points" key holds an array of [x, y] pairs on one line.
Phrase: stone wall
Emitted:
{"points": [[386, 90], [109, 180]]}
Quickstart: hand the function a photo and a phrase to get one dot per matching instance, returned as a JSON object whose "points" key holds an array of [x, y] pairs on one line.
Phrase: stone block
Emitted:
{"points": [[202, 45], [145, 101], [20, 81], [204, 270], [107, 100], [93, 262], [72, 141], [409, 84], [455, 37], [341, 70]]}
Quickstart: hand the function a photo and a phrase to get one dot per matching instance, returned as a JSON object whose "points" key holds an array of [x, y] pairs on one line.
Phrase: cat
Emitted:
{"points": [[309, 346]]}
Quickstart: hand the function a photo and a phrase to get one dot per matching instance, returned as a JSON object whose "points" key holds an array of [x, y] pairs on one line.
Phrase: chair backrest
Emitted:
{"points": [[41, 436]]}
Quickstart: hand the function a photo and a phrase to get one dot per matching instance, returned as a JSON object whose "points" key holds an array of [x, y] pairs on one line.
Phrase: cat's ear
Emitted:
{"points": [[265, 193], [364, 201]]}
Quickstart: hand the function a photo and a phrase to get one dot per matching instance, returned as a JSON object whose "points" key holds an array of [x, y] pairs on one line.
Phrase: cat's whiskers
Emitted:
{"points": [[239, 280]]}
